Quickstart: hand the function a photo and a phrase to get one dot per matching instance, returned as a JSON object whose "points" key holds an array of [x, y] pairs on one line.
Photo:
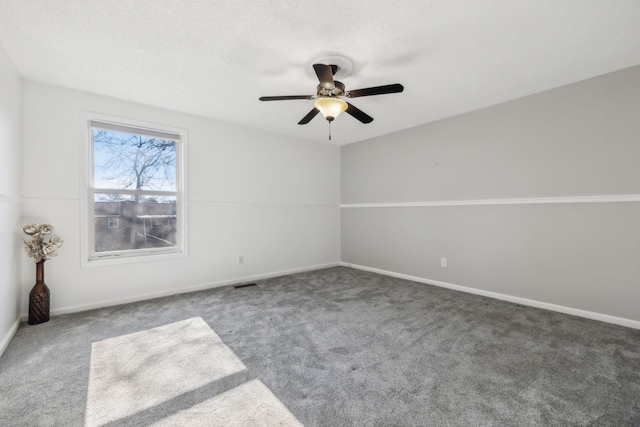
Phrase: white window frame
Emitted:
{"points": [[87, 233]]}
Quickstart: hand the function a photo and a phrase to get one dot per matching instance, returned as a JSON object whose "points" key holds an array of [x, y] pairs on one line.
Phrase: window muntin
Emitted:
{"points": [[135, 178]]}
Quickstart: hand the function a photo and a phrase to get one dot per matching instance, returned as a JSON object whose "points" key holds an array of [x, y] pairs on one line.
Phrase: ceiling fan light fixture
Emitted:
{"points": [[330, 107]]}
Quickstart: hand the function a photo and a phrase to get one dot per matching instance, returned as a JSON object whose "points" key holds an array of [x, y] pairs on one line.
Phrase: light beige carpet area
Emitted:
{"points": [[250, 404], [174, 375]]}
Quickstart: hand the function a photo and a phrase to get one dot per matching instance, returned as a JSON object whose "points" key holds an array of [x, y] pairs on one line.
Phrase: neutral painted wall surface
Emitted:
{"points": [[272, 199], [578, 140], [10, 194]]}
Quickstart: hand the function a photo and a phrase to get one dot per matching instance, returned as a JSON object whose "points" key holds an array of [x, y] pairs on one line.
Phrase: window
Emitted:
{"points": [[135, 190]]}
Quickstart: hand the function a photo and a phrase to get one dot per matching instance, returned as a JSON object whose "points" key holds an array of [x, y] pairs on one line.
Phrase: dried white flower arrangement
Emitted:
{"points": [[38, 248]]}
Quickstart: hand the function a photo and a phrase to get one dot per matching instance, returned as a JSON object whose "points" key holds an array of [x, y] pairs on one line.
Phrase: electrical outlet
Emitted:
{"points": [[240, 259], [443, 262]]}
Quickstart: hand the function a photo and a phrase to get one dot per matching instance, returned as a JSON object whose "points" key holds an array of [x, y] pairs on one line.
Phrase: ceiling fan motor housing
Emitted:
{"points": [[337, 91]]}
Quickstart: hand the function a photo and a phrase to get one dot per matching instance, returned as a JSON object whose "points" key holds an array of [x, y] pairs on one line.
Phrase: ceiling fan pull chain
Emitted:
{"points": [[329, 131]]}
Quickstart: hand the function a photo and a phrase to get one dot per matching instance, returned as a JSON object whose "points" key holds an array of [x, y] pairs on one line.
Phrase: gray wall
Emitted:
{"points": [[578, 140]]}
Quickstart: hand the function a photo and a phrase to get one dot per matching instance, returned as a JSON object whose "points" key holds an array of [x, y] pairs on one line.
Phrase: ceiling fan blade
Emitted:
{"points": [[325, 75], [359, 114], [377, 90], [285, 98], [306, 119]]}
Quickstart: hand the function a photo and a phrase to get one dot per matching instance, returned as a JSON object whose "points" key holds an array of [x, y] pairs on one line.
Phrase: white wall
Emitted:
{"points": [[10, 192], [271, 198], [416, 196]]}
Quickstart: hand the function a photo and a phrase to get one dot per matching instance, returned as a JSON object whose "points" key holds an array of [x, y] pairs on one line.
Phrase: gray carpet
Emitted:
{"points": [[133, 376], [342, 347]]}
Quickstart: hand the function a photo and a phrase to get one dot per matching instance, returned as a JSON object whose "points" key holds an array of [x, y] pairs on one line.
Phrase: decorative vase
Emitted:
{"points": [[39, 302]]}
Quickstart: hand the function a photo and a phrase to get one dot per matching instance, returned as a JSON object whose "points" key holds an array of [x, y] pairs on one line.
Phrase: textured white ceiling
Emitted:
{"points": [[215, 58]]}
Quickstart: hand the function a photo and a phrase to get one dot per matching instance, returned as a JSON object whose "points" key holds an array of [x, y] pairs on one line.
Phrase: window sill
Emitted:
{"points": [[135, 258]]}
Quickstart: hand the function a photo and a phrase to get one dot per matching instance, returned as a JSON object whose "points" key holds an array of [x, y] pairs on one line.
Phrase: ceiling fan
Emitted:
{"points": [[328, 96]]}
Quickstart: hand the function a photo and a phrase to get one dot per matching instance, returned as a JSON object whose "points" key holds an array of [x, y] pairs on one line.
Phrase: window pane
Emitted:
{"points": [[132, 161], [143, 222]]}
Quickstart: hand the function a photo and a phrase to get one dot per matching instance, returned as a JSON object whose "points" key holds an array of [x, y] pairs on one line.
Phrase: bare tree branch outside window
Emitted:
{"points": [[127, 161], [140, 165]]}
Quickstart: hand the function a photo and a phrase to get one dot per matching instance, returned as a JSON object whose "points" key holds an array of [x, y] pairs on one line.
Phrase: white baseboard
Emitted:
{"points": [[635, 324], [7, 339], [143, 297]]}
